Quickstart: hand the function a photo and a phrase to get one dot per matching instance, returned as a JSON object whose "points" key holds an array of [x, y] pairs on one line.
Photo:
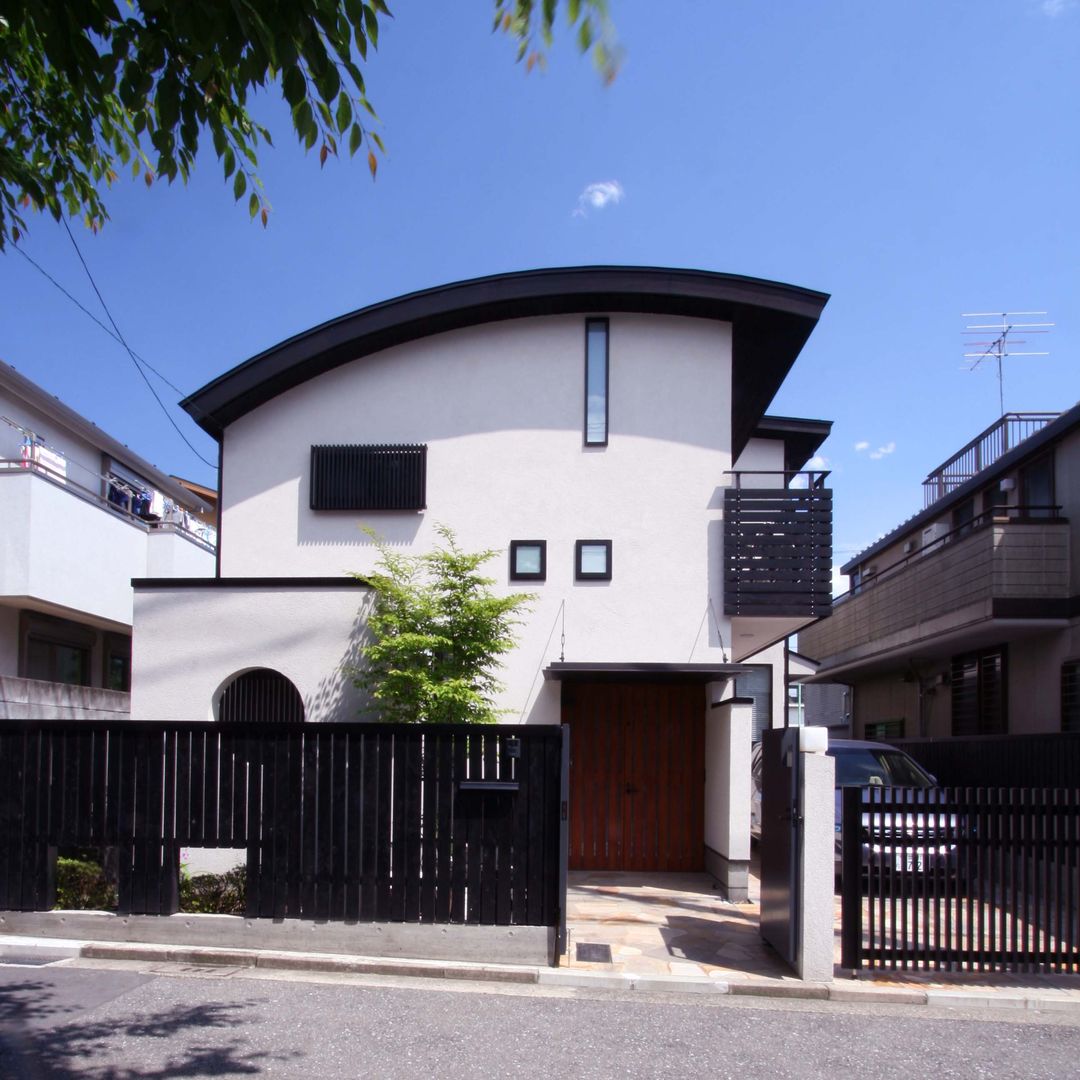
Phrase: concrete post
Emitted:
{"points": [[817, 805], [727, 792]]}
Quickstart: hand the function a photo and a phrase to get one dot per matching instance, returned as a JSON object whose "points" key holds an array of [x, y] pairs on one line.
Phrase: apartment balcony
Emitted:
{"points": [[65, 548], [1001, 577], [777, 554]]}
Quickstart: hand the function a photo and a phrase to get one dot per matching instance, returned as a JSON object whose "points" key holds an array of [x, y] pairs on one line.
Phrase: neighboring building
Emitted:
{"points": [[82, 515], [604, 429], [964, 619]]}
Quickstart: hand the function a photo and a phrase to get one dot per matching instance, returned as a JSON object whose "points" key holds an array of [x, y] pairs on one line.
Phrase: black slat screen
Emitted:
{"points": [[368, 477]]}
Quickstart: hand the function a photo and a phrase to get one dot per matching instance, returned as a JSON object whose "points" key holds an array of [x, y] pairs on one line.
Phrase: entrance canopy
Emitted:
{"points": [[626, 672]]}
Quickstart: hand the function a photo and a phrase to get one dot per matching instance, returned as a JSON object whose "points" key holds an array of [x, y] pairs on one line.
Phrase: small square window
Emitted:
{"points": [[592, 560], [528, 560]]}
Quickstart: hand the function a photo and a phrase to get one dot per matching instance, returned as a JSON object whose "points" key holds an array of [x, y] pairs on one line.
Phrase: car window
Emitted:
{"points": [[860, 766]]}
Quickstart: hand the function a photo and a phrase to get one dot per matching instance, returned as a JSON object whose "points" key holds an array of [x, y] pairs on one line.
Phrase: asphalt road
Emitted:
{"points": [[126, 1021]]}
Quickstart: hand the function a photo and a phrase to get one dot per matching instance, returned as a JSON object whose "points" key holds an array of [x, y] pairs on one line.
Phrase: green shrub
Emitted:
{"points": [[81, 884], [214, 894]]}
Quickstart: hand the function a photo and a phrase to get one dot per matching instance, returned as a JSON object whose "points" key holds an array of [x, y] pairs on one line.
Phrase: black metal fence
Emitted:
{"points": [[1039, 761], [957, 879], [341, 822]]}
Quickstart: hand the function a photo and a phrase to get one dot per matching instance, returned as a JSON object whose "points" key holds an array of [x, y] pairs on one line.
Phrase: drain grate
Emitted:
{"points": [[591, 952]]}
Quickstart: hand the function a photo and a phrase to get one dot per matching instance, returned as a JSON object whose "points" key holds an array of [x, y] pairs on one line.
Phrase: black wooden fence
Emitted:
{"points": [[961, 879], [341, 822], [1038, 761]]}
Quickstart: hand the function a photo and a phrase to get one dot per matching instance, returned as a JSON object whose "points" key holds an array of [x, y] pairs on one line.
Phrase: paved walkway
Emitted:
{"points": [[678, 927]]}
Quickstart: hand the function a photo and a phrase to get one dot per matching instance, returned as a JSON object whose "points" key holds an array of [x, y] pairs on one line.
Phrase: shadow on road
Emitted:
{"points": [[37, 1043]]}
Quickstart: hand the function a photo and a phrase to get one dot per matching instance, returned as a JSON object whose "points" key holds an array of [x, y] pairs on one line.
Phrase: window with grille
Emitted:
{"points": [[380, 477], [979, 694], [262, 695], [1070, 696], [884, 730]]}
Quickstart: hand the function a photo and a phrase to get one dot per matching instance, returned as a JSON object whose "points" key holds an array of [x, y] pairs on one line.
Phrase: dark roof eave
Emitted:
{"points": [[1031, 446], [566, 671], [771, 323], [802, 437]]}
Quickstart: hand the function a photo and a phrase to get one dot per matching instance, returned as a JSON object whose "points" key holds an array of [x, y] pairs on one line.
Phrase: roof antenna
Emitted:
{"points": [[1000, 348]]}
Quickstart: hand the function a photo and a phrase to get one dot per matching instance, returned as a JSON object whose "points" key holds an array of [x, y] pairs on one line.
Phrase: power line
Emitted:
{"points": [[90, 315], [118, 336]]}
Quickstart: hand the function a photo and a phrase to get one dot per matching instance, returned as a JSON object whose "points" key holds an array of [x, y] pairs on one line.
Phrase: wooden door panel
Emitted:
{"points": [[636, 776]]}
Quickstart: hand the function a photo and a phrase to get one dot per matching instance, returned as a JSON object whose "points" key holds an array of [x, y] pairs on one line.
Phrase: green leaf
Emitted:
{"points": [[344, 112], [239, 186], [228, 161], [294, 86], [371, 21], [253, 205], [356, 137]]}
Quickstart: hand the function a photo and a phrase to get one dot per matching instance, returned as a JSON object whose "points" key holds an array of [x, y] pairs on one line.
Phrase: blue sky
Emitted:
{"points": [[916, 160]]}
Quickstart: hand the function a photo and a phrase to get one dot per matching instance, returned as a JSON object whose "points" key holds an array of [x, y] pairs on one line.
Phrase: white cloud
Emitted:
{"points": [[862, 445], [818, 461], [881, 451], [597, 196], [1054, 8]]}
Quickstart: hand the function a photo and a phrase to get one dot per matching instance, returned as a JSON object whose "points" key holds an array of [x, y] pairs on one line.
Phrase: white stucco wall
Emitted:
{"points": [[171, 554], [83, 459], [763, 460], [61, 550], [501, 409], [189, 642]]}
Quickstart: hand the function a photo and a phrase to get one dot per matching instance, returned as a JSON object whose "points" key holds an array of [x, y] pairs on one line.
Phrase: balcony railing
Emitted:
{"points": [[1009, 554], [176, 519], [995, 442], [778, 545]]}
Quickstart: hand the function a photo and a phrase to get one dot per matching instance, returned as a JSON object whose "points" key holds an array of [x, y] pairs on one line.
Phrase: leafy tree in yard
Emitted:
{"points": [[90, 87], [437, 634]]}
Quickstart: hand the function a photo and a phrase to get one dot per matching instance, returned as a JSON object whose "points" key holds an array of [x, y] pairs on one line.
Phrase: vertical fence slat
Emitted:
{"points": [[353, 821]]}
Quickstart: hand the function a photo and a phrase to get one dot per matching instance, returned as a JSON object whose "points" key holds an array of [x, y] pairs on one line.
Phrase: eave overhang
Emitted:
{"points": [[629, 672], [770, 324]]}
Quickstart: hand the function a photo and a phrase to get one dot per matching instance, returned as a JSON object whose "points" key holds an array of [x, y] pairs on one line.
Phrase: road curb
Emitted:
{"points": [[569, 978]]}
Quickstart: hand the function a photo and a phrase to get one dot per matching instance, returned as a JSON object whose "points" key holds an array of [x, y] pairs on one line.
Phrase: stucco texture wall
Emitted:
{"points": [[500, 408], [189, 643]]}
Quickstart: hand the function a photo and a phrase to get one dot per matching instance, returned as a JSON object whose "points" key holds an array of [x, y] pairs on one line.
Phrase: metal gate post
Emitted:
{"points": [[564, 842], [851, 879]]}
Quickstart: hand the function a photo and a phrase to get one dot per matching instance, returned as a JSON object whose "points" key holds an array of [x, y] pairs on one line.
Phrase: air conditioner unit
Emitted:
{"points": [[933, 534]]}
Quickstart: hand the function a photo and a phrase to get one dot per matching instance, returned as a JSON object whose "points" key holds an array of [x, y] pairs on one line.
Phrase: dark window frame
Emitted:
{"points": [[358, 476], [591, 575], [515, 574], [116, 647], [606, 324], [52, 632], [1027, 473], [979, 693], [1070, 696]]}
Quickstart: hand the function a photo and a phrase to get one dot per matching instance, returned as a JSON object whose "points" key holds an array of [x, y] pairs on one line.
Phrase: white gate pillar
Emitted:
{"points": [[727, 792], [816, 868]]}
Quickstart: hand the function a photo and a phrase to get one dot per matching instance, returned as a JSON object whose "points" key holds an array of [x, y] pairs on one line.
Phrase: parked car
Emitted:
{"points": [[915, 841]]}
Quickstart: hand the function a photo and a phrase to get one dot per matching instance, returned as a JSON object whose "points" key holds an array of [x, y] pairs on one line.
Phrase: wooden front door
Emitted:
{"points": [[637, 775]]}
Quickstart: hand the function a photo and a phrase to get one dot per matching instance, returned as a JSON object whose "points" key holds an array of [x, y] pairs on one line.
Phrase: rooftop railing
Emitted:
{"points": [[995, 442]]}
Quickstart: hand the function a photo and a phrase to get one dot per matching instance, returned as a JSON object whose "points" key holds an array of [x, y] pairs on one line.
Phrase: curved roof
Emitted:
{"points": [[771, 323]]}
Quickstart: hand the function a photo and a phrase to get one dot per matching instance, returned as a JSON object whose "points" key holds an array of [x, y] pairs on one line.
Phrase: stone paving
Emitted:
{"points": [[679, 925], [667, 924]]}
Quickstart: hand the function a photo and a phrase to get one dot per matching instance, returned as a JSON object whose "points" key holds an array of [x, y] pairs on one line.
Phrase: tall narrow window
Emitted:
{"points": [[1037, 487], [596, 382], [979, 695]]}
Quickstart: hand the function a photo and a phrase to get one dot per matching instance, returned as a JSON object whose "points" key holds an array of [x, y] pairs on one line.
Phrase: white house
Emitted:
{"points": [[603, 428], [82, 515]]}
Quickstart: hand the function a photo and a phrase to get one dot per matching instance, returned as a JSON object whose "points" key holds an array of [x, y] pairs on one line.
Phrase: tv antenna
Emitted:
{"points": [[1000, 347]]}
